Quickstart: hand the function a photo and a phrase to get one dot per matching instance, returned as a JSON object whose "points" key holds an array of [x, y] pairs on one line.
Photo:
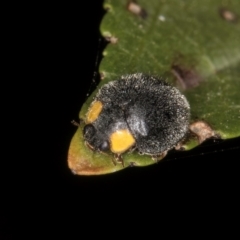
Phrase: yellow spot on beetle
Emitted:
{"points": [[121, 141], [94, 111]]}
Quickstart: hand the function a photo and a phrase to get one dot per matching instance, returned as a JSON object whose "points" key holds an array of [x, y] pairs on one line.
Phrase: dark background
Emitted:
{"points": [[46, 196]]}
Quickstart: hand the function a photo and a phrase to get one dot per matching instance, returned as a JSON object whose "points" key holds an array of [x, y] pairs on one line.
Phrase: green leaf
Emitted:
{"points": [[194, 44]]}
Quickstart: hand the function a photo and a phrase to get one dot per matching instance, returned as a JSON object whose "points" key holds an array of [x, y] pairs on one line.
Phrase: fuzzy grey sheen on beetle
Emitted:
{"points": [[139, 112]]}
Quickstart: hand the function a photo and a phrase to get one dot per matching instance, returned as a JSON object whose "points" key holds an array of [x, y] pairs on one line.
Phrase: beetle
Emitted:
{"points": [[139, 112]]}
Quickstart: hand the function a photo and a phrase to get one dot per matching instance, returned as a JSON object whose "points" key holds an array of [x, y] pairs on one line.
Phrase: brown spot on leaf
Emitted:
{"points": [[187, 77], [136, 9], [112, 39], [102, 75], [228, 15], [202, 130], [81, 166]]}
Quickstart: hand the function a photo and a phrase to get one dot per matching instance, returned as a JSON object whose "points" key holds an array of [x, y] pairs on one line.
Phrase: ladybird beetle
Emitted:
{"points": [[136, 111]]}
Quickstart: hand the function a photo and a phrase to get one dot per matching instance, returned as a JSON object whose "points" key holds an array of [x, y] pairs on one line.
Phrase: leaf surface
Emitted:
{"points": [[194, 45]]}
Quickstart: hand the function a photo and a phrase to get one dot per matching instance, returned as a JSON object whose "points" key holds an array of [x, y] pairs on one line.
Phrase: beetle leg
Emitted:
{"points": [[89, 146], [118, 158], [132, 149], [179, 147], [76, 123], [159, 157]]}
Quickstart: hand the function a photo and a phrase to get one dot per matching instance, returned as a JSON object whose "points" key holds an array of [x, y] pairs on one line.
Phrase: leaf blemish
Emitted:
{"points": [[112, 39], [102, 75], [187, 77], [203, 131], [136, 9], [228, 15], [161, 18]]}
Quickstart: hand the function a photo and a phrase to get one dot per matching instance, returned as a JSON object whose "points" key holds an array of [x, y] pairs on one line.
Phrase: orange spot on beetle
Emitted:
{"points": [[121, 141], [94, 111]]}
